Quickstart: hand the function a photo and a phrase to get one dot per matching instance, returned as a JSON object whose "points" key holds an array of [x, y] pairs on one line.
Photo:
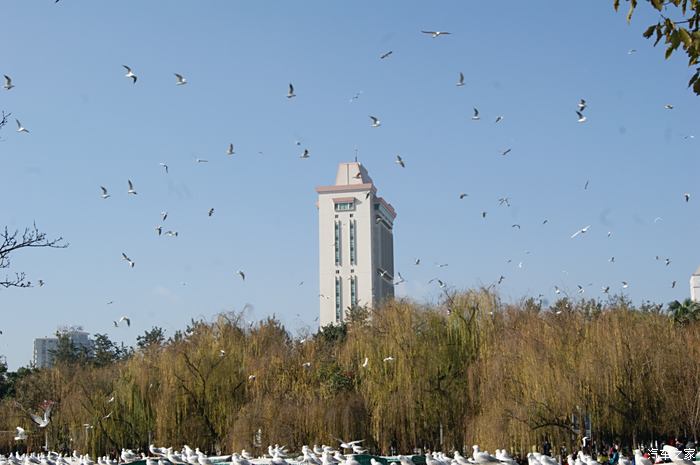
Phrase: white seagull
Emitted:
{"points": [[305, 154], [435, 34], [21, 128], [581, 118], [181, 81], [21, 434], [460, 83], [211, 211], [129, 73], [126, 319], [43, 421], [165, 167], [131, 188], [375, 122], [229, 150], [291, 93], [128, 260], [476, 114], [104, 195], [581, 231], [399, 161], [8, 83], [241, 274]]}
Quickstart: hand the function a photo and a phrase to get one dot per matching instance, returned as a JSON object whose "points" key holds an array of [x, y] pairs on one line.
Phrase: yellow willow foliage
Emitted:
{"points": [[468, 370]]}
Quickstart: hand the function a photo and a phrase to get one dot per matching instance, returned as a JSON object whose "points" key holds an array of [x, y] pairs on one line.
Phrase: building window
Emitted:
{"points": [[344, 206], [353, 243], [338, 298], [337, 243], [353, 291]]}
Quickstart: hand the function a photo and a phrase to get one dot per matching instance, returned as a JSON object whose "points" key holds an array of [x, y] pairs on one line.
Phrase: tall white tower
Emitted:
{"points": [[356, 244], [695, 286]]}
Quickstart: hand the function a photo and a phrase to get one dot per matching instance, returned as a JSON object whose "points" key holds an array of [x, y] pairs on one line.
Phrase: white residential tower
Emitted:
{"points": [[695, 286], [356, 244]]}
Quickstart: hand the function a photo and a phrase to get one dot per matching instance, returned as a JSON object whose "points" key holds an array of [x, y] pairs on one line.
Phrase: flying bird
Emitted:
{"points": [[211, 211], [43, 421], [241, 274], [229, 150], [476, 114], [624, 284], [181, 81], [668, 106], [131, 188], [506, 152], [128, 260], [499, 119], [130, 74], [163, 216], [581, 118], [8, 83], [165, 167], [582, 105], [201, 160], [462, 195], [21, 435], [159, 230], [460, 82], [686, 196], [21, 128], [388, 359], [386, 54], [581, 231], [375, 122], [365, 363], [290, 92], [305, 154], [104, 195], [435, 34], [126, 319], [399, 161], [306, 364], [417, 262]]}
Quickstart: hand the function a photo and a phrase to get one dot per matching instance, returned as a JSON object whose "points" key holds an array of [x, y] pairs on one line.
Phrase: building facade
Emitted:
{"points": [[44, 347], [695, 286], [356, 244]]}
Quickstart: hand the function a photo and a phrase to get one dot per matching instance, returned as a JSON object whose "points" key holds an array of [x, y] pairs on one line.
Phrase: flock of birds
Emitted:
{"points": [[327, 455]]}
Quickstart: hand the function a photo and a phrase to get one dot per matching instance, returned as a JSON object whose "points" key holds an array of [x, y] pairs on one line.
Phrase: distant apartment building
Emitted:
{"points": [[44, 347], [695, 286], [356, 244]]}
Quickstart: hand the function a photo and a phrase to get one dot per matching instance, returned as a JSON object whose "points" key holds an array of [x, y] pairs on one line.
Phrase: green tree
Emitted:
{"points": [[679, 26], [106, 352], [155, 337], [684, 312]]}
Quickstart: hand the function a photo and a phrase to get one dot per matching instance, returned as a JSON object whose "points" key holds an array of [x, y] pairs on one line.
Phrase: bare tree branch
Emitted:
{"points": [[12, 241]]}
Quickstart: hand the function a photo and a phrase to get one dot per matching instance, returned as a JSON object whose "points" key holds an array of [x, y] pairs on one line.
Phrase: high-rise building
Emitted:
{"points": [[44, 347], [695, 286], [356, 244]]}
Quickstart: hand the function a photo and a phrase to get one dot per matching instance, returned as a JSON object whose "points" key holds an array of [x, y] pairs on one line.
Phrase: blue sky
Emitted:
{"points": [[89, 126]]}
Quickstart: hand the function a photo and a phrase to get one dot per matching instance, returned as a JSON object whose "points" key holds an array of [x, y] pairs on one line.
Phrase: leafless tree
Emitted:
{"points": [[12, 241]]}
